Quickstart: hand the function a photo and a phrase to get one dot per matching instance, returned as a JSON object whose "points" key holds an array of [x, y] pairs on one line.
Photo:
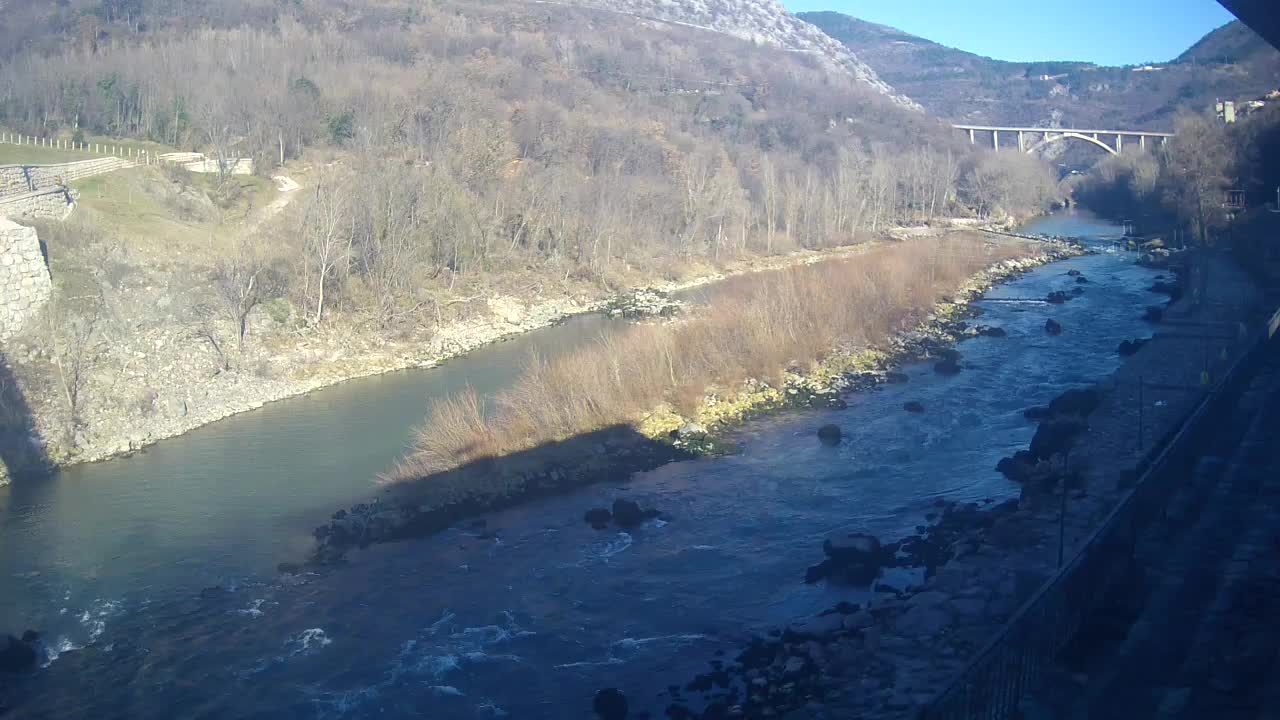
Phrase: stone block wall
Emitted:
{"points": [[20, 179], [25, 285], [52, 204]]}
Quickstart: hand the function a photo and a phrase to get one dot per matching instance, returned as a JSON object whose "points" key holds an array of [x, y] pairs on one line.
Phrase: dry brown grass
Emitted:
{"points": [[756, 326]]}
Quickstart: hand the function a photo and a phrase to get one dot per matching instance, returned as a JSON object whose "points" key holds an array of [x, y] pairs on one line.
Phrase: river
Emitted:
{"points": [[152, 577]]}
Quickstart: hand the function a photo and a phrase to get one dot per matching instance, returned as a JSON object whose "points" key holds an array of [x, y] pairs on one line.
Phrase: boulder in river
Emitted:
{"points": [[1053, 327], [913, 406], [598, 518], [610, 704], [1057, 297], [896, 377], [1130, 347], [991, 331], [1073, 273], [16, 654], [1038, 412], [948, 366], [855, 558], [1077, 290], [1081, 279], [830, 434], [1172, 289], [629, 514], [1017, 468]]}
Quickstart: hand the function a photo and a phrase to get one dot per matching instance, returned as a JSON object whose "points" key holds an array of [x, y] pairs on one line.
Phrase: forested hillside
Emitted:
{"points": [[449, 155], [1231, 62]]}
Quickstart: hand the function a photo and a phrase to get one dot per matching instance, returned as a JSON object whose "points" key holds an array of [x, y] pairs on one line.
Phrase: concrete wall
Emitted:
{"points": [[52, 204], [25, 285]]}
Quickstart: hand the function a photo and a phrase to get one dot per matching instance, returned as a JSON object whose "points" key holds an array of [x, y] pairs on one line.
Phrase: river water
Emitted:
{"points": [[152, 576]]}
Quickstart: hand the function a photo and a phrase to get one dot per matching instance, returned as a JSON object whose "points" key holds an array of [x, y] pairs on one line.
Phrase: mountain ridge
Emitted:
{"points": [[1229, 62]]}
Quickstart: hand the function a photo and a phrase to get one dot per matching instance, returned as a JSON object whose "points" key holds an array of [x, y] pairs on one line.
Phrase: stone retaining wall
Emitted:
{"points": [[20, 179], [52, 204], [25, 285]]}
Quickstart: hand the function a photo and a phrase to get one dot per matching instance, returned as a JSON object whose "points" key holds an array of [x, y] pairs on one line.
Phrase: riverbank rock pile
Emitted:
{"points": [[883, 657], [1064, 419], [643, 303]]}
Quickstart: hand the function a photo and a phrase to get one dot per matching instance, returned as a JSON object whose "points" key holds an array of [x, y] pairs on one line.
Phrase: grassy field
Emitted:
{"points": [[173, 214]]}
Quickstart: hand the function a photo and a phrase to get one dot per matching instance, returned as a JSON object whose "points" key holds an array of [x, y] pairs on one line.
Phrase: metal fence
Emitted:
{"points": [[994, 681]]}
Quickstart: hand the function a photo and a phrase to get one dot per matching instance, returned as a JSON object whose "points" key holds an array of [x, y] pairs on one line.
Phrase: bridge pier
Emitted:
{"points": [[1142, 142], [1119, 144], [970, 136], [995, 139], [1022, 147]]}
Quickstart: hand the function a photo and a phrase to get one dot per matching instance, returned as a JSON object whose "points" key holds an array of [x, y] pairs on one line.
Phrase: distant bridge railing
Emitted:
{"points": [[1031, 139], [998, 676]]}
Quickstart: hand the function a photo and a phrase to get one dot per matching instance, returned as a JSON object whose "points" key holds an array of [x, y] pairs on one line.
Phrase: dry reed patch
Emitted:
{"points": [[755, 327]]}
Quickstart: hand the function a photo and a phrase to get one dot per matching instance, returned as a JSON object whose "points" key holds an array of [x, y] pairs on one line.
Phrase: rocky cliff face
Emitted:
{"points": [[760, 21]]}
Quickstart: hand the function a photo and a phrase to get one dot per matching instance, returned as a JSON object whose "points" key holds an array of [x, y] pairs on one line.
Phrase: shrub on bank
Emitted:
{"points": [[754, 327]]}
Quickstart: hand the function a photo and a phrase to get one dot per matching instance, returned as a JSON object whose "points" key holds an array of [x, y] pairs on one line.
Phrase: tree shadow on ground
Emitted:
{"points": [[423, 506]]}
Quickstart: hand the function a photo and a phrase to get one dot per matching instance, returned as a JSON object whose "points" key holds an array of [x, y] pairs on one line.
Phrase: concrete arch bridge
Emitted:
{"points": [[1031, 139]]}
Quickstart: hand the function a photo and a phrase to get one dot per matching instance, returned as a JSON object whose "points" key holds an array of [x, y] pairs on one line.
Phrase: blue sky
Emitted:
{"points": [[1107, 32]]}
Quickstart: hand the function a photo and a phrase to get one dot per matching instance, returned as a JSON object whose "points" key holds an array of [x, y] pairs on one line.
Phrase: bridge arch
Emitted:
{"points": [[1057, 137]]}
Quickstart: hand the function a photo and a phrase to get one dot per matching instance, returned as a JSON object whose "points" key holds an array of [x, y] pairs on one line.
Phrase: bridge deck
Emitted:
{"points": [[991, 128]]}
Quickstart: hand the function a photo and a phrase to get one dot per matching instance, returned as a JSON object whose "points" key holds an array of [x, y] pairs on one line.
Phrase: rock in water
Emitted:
{"points": [[913, 406], [1053, 327], [627, 513], [896, 377], [598, 518], [990, 331], [1073, 273], [830, 434], [1081, 279], [947, 367], [1017, 468], [1057, 297], [610, 704], [1130, 347], [15, 655], [855, 558], [1039, 412]]}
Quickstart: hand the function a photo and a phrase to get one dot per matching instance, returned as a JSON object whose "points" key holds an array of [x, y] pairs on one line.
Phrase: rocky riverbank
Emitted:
{"points": [[419, 507], [888, 658]]}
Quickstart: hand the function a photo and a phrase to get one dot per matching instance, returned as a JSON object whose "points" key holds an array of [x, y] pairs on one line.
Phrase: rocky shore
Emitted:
{"points": [[417, 508], [980, 563]]}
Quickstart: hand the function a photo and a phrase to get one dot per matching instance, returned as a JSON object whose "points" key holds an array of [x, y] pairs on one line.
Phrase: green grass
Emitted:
{"points": [[142, 207]]}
